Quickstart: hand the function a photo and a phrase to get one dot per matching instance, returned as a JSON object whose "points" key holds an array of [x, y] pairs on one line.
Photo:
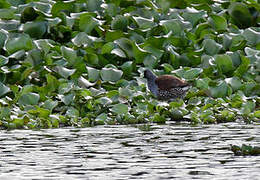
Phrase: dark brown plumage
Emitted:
{"points": [[166, 87], [166, 82]]}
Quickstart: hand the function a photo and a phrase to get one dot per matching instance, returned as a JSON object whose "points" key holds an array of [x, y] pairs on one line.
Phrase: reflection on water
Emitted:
{"points": [[120, 152]]}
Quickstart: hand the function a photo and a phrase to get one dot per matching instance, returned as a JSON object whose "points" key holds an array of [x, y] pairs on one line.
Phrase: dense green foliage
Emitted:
{"points": [[81, 62]]}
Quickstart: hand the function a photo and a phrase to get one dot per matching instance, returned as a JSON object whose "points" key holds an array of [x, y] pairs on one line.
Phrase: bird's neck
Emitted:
{"points": [[152, 86]]}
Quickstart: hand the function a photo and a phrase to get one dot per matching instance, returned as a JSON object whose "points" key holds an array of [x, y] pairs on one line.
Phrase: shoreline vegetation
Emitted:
{"points": [[80, 63]]}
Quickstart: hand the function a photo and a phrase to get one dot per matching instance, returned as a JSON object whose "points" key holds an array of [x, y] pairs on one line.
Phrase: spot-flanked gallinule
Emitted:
{"points": [[166, 87]]}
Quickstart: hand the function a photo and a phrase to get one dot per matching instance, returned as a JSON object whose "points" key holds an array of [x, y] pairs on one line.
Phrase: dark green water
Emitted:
{"points": [[123, 152]]}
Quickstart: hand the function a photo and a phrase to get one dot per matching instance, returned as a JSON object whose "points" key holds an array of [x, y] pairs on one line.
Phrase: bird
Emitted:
{"points": [[166, 87]]}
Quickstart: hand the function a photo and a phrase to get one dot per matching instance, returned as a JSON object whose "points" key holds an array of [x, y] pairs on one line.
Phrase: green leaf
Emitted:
{"points": [[84, 82], [3, 37], [118, 52], [26, 89], [35, 29], [154, 51], [257, 114], [150, 61], [192, 73], [18, 55], [112, 35], [176, 114], [157, 118], [240, 14], [218, 22], [65, 87], [221, 90], [50, 104], [119, 109], [4, 4], [67, 99], [87, 23], [3, 60], [40, 112], [82, 39], [226, 41], [194, 101], [211, 47], [235, 56], [247, 107], [127, 67], [94, 5], [52, 83], [93, 59], [193, 17], [171, 25], [28, 14], [144, 23], [107, 48], [5, 112], [203, 83], [139, 53], [18, 122], [200, 28], [69, 54], [44, 45], [72, 112], [24, 42], [224, 63], [110, 74], [101, 118], [3, 89], [242, 69], [104, 101], [248, 87], [93, 74], [7, 13], [35, 57], [235, 83], [112, 94], [174, 56], [125, 92], [112, 9], [179, 72], [251, 52], [64, 72], [29, 99], [252, 36], [126, 45], [167, 67], [119, 23], [60, 6]]}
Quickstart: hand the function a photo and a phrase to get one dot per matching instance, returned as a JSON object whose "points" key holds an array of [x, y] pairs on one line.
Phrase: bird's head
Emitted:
{"points": [[148, 74]]}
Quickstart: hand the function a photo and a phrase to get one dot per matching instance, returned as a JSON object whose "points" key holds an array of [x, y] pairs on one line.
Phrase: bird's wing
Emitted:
{"points": [[166, 82]]}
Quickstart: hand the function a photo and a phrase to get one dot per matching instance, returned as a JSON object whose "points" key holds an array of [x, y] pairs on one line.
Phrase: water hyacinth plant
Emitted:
{"points": [[81, 62]]}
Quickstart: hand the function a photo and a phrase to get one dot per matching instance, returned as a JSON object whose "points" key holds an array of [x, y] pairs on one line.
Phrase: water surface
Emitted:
{"points": [[126, 152]]}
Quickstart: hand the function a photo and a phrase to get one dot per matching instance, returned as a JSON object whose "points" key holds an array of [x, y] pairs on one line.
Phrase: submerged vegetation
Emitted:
{"points": [[81, 62], [245, 150]]}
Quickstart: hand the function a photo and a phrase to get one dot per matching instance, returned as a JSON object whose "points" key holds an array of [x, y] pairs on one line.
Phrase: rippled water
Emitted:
{"points": [[125, 152]]}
